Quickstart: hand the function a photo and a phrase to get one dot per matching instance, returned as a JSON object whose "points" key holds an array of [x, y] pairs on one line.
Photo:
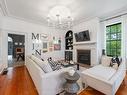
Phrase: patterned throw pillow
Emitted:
{"points": [[54, 65], [115, 60], [118, 60]]}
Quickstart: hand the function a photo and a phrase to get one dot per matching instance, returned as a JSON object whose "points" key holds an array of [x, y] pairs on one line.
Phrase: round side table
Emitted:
{"points": [[71, 86]]}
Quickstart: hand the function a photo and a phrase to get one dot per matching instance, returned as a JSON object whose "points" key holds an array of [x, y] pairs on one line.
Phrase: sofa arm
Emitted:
{"points": [[101, 85], [52, 83], [117, 79]]}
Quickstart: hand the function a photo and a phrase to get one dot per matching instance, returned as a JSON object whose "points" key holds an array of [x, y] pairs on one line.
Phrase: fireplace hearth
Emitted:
{"points": [[84, 57]]}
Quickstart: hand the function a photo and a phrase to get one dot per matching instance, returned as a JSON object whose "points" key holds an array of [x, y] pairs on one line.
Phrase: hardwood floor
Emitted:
{"points": [[18, 82]]}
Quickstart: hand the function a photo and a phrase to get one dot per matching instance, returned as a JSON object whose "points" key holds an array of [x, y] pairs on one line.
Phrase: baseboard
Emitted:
{"points": [[1, 68], [4, 72]]}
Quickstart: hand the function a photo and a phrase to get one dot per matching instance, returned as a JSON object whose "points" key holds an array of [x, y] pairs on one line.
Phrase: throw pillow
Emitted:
{"points": [[115, 66], [105, 60], [118, 60], [115, 60], [35, 59], [54, 65], [46, 67]]}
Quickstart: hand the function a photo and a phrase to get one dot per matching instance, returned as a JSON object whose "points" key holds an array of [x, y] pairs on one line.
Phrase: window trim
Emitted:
{"points": [[106, 33]]}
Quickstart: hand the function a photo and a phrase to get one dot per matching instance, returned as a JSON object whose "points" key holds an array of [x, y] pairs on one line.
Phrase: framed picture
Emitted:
{"points": [[44, 37], [45, 47], [57, 47], [57, 43]]}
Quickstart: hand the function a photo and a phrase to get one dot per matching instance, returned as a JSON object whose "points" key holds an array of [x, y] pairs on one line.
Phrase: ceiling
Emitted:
{"points": [[37, 10]]}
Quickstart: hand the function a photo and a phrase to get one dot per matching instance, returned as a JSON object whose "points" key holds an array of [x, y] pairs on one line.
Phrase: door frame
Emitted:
{"points": [[5, 44]]}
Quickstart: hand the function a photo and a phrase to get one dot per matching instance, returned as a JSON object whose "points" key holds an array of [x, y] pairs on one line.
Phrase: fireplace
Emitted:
{"points": [[84, 57]]}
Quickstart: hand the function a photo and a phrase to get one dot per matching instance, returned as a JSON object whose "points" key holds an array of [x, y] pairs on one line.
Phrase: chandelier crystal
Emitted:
{"points": [[60, 17]]}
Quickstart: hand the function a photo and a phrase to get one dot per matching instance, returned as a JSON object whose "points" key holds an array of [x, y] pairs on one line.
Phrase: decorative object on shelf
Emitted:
{"points": [[60, 17], [71, 86], [69, 40], [69, 46], [68, 56]]}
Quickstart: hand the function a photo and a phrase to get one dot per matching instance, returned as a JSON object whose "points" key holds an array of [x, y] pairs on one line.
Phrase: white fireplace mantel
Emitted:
{"points": [[88, 45], [85, 43]]}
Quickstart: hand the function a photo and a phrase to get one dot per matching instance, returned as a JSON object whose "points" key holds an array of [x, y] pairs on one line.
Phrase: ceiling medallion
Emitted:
{"points": [[60, 17]]}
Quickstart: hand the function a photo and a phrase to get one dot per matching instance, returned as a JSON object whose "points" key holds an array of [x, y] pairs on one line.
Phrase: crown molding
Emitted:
{"points": [[1, 11], [26, 20], [3, 6], [5, 12], [84, 20], [114, 14]]}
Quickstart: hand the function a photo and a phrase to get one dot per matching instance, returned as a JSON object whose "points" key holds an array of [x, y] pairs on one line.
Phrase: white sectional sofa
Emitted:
{"points": [[104, 79], [50, 83]]}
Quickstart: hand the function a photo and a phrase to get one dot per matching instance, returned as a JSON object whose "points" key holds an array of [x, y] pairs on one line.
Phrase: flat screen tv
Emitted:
{"points": [[82, 36]]}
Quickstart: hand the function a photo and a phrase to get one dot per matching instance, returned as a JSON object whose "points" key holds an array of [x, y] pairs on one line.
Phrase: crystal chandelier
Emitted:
{"points": [[60, 17]]}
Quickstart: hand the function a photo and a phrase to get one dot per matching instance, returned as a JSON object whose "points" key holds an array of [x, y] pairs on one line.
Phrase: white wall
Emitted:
{"points": [[93, 26], [123, 20], [124, 38], [0, 47], [11, 25], [0, 40], [90, 25]]}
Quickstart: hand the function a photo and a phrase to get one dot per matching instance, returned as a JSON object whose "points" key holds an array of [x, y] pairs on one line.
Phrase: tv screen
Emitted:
{"points": [[82, 36]]}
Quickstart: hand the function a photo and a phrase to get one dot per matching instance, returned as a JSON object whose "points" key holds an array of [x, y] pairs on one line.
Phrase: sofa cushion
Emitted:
{"points": [[105, 61], [44, 65], [101, 72], [115, 66]]}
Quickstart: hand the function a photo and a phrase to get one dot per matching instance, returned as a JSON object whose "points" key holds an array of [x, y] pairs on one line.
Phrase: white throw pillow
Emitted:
{"points": [[35, 59], [115, 66], [44, 65], [105, 61]]}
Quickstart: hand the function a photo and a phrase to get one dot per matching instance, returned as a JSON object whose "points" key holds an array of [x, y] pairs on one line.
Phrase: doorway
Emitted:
{"points": [[16, 50]]}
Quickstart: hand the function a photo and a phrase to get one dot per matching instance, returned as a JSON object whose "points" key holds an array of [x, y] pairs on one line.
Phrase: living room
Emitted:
{"points": [[102, 21]]}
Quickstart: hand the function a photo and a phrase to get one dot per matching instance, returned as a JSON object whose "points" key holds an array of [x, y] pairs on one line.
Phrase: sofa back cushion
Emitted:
{"points": [[101, 72], [105, 61], [44, 65]]}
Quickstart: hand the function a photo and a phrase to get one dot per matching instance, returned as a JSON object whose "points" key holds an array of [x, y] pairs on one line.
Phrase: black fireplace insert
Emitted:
{"points": [[84, 56]]}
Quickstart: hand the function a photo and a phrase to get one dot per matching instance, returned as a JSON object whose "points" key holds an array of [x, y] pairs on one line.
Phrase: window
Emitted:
{"points": [[113, 40]]}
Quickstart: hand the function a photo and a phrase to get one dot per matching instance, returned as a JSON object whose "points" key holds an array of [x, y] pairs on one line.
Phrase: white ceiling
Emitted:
{"points": [[37, 10]]}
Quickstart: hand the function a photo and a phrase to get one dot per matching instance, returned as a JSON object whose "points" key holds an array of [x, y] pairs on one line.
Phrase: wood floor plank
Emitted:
{"points": [[18, 82]]}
